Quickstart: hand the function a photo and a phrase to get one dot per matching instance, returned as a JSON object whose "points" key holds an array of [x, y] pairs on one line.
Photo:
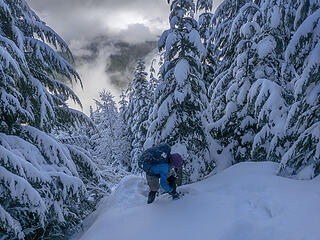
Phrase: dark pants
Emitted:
{"points": [[154, 185]]}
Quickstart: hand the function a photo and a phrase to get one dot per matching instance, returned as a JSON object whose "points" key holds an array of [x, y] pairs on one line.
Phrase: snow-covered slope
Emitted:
{"points": [[245, 202]]}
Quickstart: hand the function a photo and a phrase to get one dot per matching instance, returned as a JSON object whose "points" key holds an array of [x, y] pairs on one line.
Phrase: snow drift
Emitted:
{"points": [[245, 202]]}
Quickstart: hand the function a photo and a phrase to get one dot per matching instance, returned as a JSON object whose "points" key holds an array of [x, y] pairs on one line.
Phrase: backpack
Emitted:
{"points": [[155, 155]]}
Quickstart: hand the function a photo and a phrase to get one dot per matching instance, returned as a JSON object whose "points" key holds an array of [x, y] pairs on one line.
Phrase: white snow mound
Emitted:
{"points": [[244, 202]]}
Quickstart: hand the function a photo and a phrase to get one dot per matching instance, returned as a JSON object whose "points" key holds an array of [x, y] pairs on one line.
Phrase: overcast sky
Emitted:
{"points": [[79, 22], [83, 19]]}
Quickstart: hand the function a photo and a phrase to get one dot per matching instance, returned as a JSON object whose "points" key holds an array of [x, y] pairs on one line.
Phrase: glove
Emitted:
{"points": [[172, 183], [174, 194]]}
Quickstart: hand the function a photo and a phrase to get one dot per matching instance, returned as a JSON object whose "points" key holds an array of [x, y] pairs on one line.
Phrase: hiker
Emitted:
{"points": [[157, 162]]}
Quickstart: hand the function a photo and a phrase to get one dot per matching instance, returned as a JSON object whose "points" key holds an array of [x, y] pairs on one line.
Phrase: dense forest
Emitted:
{"points": [[241, 83]]}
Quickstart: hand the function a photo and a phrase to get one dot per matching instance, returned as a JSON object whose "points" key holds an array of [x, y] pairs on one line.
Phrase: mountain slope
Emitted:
{"points": [[245, 202]]}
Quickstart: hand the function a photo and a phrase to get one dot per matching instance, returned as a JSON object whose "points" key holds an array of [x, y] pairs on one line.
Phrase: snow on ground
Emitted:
{"points": [[244, 202]]}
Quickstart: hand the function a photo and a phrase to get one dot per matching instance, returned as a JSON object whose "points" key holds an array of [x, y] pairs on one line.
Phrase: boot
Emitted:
{"points": [[151, 196], [175, 195]]}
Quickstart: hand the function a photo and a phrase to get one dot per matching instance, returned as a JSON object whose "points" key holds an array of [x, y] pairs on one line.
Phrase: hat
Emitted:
{"points": [[176, 160]]}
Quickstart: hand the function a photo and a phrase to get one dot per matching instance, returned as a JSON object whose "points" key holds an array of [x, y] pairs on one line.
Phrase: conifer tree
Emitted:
{"points": [[141, 105], [104, 118], [125, 153], [273, 66], [233, 123], [107, 142], [123, 103], [220, 49], [180, 116], [154, 81], [302, 69], [205, 31], [249, 124], [205, 18], [41, 179], [268, 92], [128, 118]]}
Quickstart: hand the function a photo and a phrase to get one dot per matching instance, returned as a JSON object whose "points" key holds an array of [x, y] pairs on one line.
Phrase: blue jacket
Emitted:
{"points": [[162, 170]]}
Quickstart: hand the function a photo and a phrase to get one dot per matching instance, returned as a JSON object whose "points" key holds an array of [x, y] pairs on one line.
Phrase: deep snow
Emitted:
{"points": [[244, 202]]}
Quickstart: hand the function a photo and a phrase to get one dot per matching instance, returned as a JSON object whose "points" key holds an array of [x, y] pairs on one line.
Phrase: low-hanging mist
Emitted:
{"points": [[107, 63]]}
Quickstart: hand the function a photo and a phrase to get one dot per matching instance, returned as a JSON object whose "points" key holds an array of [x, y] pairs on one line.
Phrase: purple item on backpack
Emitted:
{"points": [[176, 160]]}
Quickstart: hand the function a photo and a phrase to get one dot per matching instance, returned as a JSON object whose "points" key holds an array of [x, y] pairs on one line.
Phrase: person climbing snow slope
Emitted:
{"points": [[158, 162]]}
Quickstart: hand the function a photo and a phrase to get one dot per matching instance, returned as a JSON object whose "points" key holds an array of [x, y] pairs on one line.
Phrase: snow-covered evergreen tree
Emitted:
{"points": [[106, 148], [233, 123], [128, 117], [180, 116], [250, 123], [123, 103], [106, 140], [268, 58], [141, 105], [205, 18], [154, 81], [205, 5], [268, 92], [42, 181], [221, 48], [125, 153], [205, 31], [302, 69]]}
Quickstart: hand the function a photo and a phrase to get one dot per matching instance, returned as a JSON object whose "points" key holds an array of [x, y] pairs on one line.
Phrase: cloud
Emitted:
{"points": [[86, 19], [70, 22], [98, 33], [106, 63], [94, 79], [136, 33]]}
